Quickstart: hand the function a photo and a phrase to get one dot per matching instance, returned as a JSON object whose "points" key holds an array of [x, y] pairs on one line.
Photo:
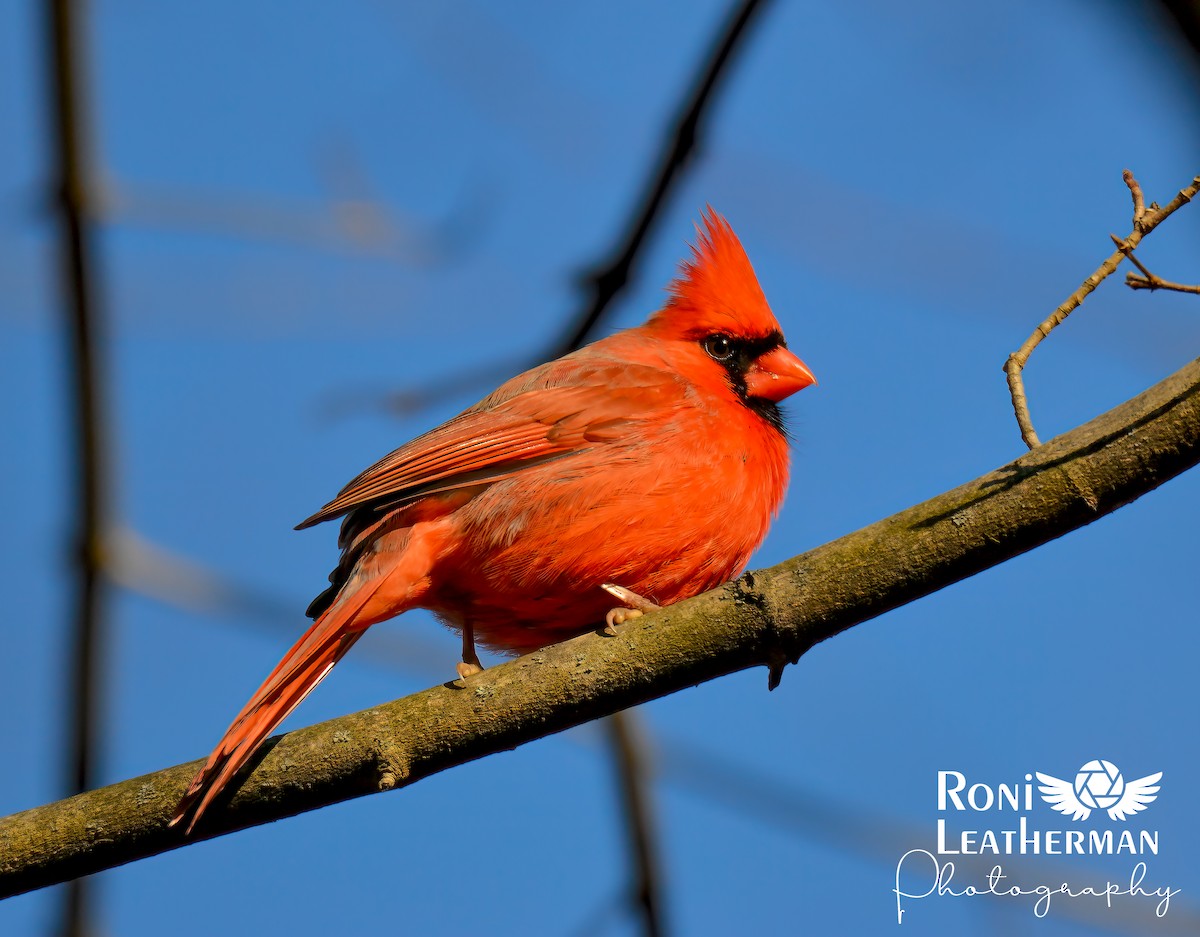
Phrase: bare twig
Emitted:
{"points": [[1145, 220], [765, 618], [1148, 281], [77, 276], [1133, 281], [634, 780]]}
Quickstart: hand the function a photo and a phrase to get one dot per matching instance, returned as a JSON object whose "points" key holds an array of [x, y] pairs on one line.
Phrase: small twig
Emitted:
{"points": [[1148, 281], [1145, 219], [1133, 281]]}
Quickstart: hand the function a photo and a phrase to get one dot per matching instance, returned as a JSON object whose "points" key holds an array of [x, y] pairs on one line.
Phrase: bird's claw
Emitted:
{"points": [[618, 616], [634, 606], [466, 669]]}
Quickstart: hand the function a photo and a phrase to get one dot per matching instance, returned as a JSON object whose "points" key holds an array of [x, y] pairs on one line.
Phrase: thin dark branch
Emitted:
{"points": [[76, 275], [634, 781], [606, 281], [770, 617]]}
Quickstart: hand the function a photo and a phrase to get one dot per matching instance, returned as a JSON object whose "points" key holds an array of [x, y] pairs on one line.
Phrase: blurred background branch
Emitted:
{"points": [[89, 446], [681, 144], [629, 754], [605, 280]]}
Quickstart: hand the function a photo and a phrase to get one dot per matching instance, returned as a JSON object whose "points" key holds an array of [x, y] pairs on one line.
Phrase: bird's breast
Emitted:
{"points": [[669, 513]]}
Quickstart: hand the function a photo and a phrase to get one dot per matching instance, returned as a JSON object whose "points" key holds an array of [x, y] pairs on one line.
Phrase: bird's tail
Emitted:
{"points": [[294, 677]]}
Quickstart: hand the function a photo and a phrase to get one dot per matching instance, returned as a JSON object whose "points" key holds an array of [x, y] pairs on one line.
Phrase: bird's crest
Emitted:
{"points": [[717, 290]]}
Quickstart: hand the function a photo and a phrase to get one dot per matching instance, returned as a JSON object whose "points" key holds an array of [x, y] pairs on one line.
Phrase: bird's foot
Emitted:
{"points": [[466, 669], [633, 606]]}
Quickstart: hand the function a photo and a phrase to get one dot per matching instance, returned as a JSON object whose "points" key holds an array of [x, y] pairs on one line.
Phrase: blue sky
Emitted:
{"points": [[309, 208]]}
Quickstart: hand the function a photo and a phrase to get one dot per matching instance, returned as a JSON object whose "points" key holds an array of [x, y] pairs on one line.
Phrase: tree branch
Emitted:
{"points": [[769, 617]]}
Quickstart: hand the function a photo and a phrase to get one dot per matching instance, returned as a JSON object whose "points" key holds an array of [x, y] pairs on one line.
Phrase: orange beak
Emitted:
{"points": [[777, 374]]}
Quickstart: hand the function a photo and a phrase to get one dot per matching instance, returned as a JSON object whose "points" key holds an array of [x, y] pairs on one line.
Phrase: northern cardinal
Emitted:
{"points": [[646, 466]]}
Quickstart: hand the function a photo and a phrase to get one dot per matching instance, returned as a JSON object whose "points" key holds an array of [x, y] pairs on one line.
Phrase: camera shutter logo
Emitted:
{"points": [[1099, 785]]}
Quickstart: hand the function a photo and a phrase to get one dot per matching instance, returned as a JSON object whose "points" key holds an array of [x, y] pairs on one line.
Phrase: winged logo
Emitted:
{"points": [[1099, 786]]}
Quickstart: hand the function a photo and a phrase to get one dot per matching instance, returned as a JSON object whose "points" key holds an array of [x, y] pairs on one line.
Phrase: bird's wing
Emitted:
{"points": [[1137, 794], [1060, 795], [544, 414]]}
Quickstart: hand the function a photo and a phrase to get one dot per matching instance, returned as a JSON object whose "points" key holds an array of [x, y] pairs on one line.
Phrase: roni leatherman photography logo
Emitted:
{"points": [[994, 835]]}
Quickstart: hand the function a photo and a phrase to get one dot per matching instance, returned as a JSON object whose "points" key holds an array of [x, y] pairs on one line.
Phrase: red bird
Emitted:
{"points": [[647, 464]]}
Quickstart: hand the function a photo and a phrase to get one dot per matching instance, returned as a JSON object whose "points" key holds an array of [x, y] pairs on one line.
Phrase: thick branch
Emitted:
{"points": [[768, 617]]}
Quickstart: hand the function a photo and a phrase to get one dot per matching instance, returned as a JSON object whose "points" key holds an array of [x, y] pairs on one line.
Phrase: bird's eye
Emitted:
{"points": [[719, 347]]}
